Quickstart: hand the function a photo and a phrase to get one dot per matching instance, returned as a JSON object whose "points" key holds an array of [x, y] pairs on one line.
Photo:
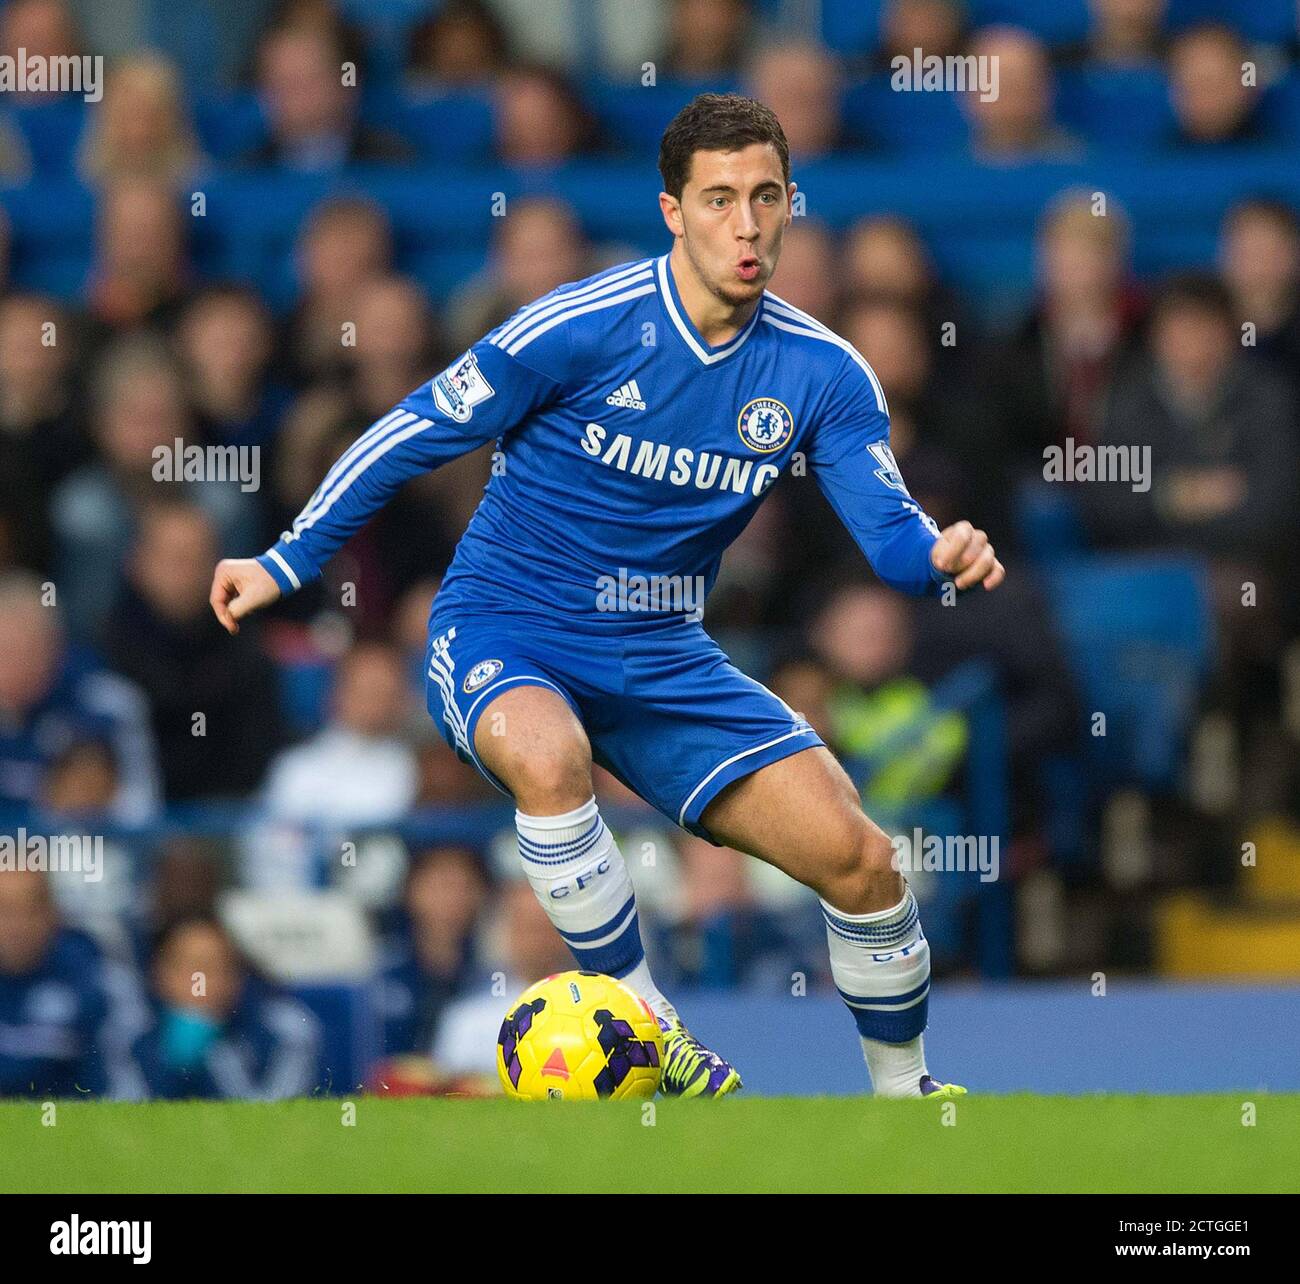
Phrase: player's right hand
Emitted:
{"points": [[240, 586]]}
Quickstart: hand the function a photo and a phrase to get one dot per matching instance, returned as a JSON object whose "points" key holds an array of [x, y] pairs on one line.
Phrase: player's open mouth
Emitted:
{"points": [[747, 269]]}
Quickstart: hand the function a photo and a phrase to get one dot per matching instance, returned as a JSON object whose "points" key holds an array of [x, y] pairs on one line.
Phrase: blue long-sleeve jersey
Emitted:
{"points": [[627, 447]]}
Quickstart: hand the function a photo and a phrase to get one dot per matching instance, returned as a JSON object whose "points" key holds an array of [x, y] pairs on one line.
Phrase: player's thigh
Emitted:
{"points": [[530, 738], [502, 703], [803, 815]]}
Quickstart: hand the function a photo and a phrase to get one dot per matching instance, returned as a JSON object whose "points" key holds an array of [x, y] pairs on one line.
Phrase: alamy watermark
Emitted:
{"points": [[1074, 462], [24, 73], [676, 594], [953, 74], [58, 854], [919, 852], [193, 463]]}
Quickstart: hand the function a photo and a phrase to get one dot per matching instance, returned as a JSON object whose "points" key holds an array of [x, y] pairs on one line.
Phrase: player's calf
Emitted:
{"points": [[569, 855]]}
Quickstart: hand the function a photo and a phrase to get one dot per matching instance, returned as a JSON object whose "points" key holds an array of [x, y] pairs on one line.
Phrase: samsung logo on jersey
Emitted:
{"points": [[705, 470]]}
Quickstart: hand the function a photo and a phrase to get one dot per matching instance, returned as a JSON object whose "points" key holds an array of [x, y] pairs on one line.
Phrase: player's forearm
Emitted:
{"points": [[903, 561], [400, 446]]}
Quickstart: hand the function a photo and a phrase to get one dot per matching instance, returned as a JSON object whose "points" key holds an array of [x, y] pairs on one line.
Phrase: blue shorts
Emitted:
{"points": [[663, 707]]}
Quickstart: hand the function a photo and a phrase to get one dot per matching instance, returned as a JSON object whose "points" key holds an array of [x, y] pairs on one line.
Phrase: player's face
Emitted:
{"points": [[734, 210]]}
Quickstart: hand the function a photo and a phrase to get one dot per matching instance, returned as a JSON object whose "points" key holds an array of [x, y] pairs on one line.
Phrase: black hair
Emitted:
{"points": [[717, 123]]}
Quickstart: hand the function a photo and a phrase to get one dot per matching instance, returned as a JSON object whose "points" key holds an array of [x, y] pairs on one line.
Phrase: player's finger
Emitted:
{"points": [[983, 564], [242, 605], [995, 576], [950, 546], [973, 551], [218, 599]]}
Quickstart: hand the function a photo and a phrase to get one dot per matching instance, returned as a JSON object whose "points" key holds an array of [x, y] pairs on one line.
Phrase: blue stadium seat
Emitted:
{"points": [[851, 26], [1272, 20], [1056, 22], [454, 128], [1047, 521], [636, 115], [386, 27], [229, 124], [875, 114], [350, 1038], [1117, 108], [52, 131], [304, 693], [1279, 109], [1139, 635], [51, 228]]}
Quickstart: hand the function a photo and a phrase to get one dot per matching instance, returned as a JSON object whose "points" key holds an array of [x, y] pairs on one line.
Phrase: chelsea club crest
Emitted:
{"points": [[481, 674], [765, 425]]}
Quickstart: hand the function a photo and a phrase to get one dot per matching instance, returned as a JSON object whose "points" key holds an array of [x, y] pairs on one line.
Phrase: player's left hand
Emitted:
{"points": [[965, 553]]}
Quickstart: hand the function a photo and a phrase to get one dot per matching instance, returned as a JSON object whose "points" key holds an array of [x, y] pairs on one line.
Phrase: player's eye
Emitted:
{"points": [[718, 202]]}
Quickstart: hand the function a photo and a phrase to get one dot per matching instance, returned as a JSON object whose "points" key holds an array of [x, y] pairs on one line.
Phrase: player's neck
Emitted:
{"points": [[715, 320]]}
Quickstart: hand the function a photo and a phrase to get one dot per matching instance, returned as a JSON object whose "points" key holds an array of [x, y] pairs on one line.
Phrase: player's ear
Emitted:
{"points": [[671, 208]]}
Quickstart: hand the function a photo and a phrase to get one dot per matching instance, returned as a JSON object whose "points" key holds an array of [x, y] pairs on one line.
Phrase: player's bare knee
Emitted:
{"points": [[530, 739], [862, 876], [546, 784]]}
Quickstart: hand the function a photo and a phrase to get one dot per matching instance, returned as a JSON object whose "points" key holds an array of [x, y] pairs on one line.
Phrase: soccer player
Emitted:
{"points": [[641, 415]]}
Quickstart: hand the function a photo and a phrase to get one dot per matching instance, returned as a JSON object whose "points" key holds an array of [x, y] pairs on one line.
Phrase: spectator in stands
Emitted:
{"points": [[1123, 34], [220, 1031], [394, 351], [42, 435], [311, 105], [461, 46], [1259, 255], [884, 257], [185, 876], [905, 749], [226, 342], [1221, 432], [806, 685], [537, 246], [935, 27], [1016, 636], [725, 935], [932, 427], [68, 1014], [707, 39], [140, 276], [1015, 124], [1049, 381], [1223, 463], [540, 120], [345, 243], [801, 82], [53, 696], [139, 414], [43, 28], [140, 129], [76, 793], [521, 947], [608, 37], [1213, 104], [162, 635], [430, 958], [359, 771], [808, 275]]}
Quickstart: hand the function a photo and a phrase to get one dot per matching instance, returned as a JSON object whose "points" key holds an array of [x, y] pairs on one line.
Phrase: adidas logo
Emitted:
{"points": [[628, 397]]}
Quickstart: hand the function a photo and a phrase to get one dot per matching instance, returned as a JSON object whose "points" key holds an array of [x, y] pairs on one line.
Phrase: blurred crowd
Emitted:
{"points": [[125, 711]]}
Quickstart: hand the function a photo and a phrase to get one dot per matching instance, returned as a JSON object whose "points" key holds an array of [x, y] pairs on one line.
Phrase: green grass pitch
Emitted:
{"points": [[998, 1144]]}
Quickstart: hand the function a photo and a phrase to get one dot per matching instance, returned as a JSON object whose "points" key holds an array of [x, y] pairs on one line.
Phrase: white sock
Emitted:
{"points": [[579, 876], [881, 966], [895, 1068]]}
